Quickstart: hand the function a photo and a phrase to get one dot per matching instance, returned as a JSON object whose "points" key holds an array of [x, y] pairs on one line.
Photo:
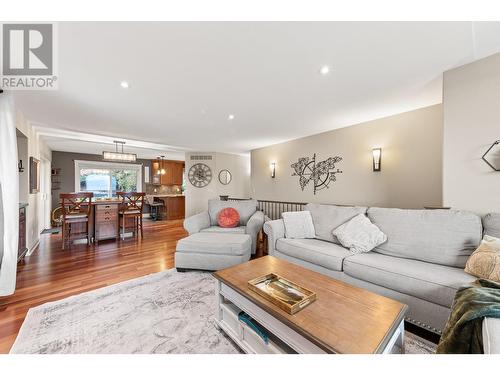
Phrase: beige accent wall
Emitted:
{"points": [[411, 175], [239, 187], [471, 124]]}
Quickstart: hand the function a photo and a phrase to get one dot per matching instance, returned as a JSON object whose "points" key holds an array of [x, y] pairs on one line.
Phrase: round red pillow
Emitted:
{"points": [[228, 218]]}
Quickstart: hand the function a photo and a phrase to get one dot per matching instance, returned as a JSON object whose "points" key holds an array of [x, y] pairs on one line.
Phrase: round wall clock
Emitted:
{"points": [[200, 175]]}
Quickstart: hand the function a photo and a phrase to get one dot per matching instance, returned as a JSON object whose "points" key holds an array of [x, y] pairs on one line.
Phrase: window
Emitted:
{"points": [[105, 179]]}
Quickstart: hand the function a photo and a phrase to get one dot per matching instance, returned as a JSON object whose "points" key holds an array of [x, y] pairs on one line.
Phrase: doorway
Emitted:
{"points": [[43, 198]]}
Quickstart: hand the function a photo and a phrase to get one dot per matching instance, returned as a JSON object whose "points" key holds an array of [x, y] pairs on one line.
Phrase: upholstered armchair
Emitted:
{"points": [[251, 220]]}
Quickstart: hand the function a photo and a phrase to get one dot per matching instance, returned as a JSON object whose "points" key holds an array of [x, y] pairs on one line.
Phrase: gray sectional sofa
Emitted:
{"points": [[421, 264]]}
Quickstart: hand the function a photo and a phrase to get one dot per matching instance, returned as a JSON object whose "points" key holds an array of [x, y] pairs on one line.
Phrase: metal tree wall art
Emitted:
{"points": [[321, 173]]}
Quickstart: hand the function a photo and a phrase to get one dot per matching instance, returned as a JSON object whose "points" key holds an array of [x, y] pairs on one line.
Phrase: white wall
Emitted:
{"points": [[237, 165], [196, 198], [471, 124], [411, 173], [38, 149]]}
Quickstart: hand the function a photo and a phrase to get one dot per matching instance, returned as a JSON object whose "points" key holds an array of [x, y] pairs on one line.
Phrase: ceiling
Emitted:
{"points": [[75, 141], [186, 78]]}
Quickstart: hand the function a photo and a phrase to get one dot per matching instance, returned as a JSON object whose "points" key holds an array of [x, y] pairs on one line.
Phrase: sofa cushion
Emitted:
{"points": [[245, 208], [446, 237], [321, 253], [215, 243], [431, 282], [491, 224], [217, 229], [328, 217]]}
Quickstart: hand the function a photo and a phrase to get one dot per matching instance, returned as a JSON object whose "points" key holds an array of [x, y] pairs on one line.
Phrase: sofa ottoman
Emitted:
{"points": [[212, 251]]}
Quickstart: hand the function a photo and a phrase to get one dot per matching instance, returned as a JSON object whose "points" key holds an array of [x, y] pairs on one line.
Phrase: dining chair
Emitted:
{"points": [[131, 207], [76, 208]]}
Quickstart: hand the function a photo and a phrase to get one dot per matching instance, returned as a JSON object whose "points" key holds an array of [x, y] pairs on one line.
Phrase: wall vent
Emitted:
{"points": [[201, 157]]}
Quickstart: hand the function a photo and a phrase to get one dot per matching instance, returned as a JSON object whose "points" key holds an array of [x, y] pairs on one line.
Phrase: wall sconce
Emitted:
{"points": [[273, 169], [377, 159], [20, 166]]}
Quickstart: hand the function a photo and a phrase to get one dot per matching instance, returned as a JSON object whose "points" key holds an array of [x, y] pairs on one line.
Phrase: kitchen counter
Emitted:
{"points": [[166, 195], [117, 201], [106, 201]]}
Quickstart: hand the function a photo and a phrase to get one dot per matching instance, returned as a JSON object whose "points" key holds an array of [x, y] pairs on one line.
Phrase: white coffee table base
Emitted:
{"points": [[229, 303]]}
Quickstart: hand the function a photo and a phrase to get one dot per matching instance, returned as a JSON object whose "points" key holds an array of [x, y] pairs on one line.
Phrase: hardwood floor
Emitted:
{"points": [[51, 273]]}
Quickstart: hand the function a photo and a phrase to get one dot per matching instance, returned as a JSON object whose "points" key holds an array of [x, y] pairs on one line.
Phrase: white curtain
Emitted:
{"points": [[9, 185]]}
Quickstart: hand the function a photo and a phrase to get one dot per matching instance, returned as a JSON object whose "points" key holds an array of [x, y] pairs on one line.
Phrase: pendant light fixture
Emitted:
{"points": [[158, 167], [162, 168], [117, 155]]}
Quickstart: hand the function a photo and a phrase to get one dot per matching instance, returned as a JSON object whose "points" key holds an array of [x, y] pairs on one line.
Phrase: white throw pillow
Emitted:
{"points": [[359, 234], [298, 224]]}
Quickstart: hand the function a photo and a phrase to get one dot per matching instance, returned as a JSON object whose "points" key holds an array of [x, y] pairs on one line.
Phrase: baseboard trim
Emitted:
{"points": [[33, 248]]}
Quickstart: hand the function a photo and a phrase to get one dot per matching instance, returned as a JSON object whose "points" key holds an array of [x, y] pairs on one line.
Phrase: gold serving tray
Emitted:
{"points": [[283, 293]]}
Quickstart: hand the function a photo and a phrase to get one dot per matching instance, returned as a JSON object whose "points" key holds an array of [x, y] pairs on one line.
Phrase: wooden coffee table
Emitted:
{"points": [[343, 319]]}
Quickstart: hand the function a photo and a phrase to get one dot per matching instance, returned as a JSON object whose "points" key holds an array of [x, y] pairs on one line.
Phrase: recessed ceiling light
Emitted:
{"points": [[325, 69], [230, 117], [124, 84]]}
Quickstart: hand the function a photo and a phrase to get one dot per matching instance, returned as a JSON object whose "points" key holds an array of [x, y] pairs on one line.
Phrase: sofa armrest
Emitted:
{"points": [[254, 225], [491, 336], [195, 223], [275, 229]]}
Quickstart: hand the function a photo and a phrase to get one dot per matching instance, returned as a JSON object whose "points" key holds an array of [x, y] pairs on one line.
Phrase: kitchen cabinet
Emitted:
{"points": [[155, 176], [174, 207], [177, 173], [173, 172]]}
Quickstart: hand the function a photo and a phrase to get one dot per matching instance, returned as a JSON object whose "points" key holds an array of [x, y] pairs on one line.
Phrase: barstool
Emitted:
{"points": [[156, 207], [75, 210], [131, 206]]}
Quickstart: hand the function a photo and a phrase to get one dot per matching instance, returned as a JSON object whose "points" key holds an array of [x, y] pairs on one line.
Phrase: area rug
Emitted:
{"points": [[166, 312]]}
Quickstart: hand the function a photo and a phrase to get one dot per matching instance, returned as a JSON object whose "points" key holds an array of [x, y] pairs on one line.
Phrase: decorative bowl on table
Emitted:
{"points": [[284, 293]]}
